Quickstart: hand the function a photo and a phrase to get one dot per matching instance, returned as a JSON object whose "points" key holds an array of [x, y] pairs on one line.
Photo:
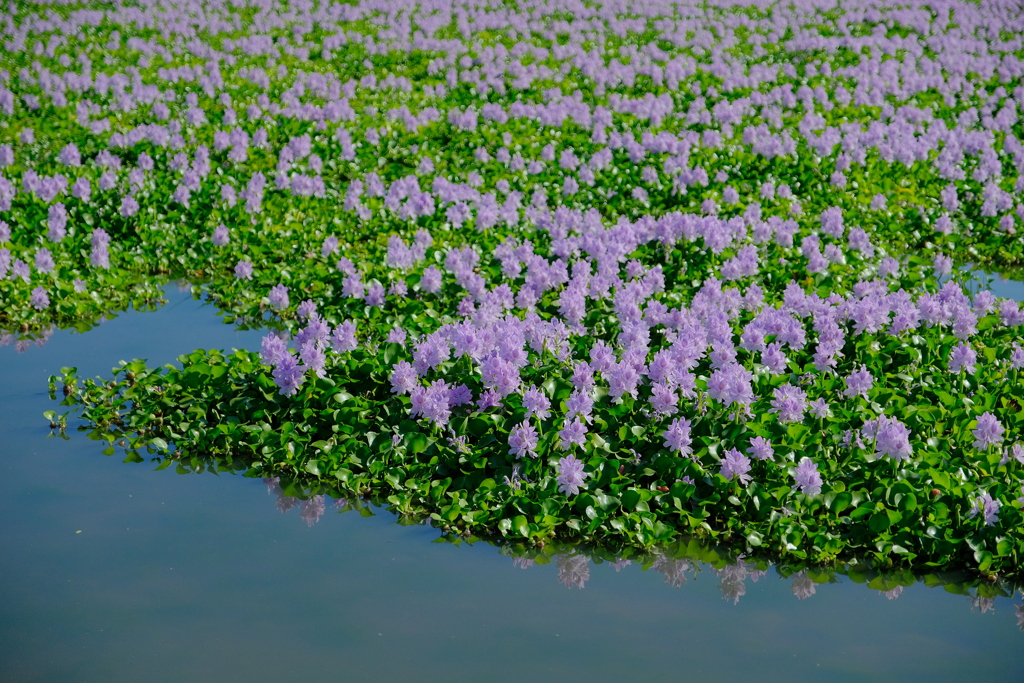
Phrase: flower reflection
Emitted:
{"points": [[732, 579], [573, 570], [674, 571], [981, 604], [894, 593], [573, 562], [803, 585], [522, 562], [312, 510]]}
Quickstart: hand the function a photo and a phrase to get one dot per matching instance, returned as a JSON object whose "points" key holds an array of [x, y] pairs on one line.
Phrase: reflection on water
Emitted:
{"points": [[574, 562]]}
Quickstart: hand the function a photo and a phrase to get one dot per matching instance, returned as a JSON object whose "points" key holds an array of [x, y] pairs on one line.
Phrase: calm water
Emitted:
{"points": [[113, 572]]}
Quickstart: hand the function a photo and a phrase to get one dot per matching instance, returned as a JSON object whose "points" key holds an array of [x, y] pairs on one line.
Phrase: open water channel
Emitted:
{"points": [[114, 572]]}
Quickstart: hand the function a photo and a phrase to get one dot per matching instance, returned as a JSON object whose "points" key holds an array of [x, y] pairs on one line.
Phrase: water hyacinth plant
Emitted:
{"points": [[540, 272]]}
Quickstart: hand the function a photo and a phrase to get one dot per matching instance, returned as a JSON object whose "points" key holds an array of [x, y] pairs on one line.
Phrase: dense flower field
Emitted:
{"points": [[615, 274]]}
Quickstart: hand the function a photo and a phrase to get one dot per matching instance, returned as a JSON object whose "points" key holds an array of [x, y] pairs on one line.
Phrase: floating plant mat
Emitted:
{"points": [[607, 279]]}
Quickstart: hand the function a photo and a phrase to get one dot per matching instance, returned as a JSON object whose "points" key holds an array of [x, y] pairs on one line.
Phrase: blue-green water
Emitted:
{"points": [[114, 572]]}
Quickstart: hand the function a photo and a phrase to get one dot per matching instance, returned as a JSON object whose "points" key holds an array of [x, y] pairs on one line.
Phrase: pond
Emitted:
{"points": [[116, 572]]}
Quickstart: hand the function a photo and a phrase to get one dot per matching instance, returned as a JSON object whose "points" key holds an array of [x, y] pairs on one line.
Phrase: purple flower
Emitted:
{"points": [[44, 261], [891, 437], [375, 294], [21, 269], [735, 465], [1017, 357], [963, 357], [278, 297], [243, 270], [790, 403], [272, 349], [460, 395], [288, 374], [403, 378], [129, 207], [433, 402], [430, 282], [570, 475], [343, 339], [39, 300], [579, 403], [677, 436], [313, 357], [987, 506], [221, 237], [306, 309], [664, 400], [536, 403], [731, 384], [859, 383], [522, 440], [819, 408], [57, 222], [761, 448], [573, 433], [988, 432], [807, 478], [396, 335]]}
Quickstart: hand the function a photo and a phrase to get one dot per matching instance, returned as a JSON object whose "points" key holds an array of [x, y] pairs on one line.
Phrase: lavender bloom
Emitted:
{"points": [[306, 309], [21, 269], [988, 432], [892, 438], [790, 403], [859, 383], [272, 349], [343, 339], [522, 440], [403, 378], [664, 400], [807, 478], [243, 270], [987, 506], [677, 437], [44, 261], [288, 374], [731, 384], [761, 448], [570, 475], [57, 222], [735, 465], [129, 207], [963, 357], [221, 236], [536, 403], [573, 433], [819, 408], [430, 281], [313, 357], [39, 300], [278, 297], [396, 335], [375, 294], [81, 189]]}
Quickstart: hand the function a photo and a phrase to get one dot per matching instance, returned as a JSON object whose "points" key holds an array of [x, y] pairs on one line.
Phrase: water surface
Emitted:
{"points": [[114, 572]]}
